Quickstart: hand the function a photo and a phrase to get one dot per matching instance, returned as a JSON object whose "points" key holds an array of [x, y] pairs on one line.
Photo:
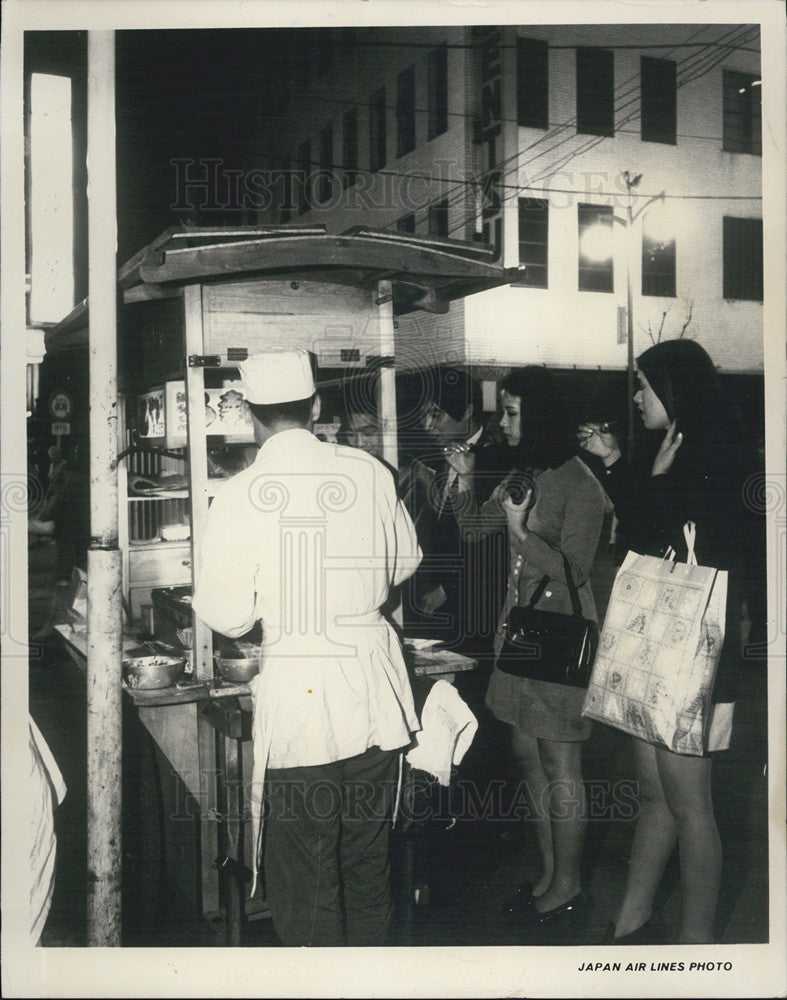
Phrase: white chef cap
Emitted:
{"points": [[277, 377]]}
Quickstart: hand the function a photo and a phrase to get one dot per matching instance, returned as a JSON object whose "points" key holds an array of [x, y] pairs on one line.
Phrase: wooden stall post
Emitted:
{"points": [[202, 639], [104, 629]]}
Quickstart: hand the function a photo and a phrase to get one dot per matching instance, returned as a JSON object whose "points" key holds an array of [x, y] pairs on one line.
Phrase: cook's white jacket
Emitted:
{"points": [[310, 539]]}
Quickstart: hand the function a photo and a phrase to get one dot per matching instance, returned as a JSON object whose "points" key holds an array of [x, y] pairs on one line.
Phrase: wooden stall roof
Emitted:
{"points": [[425, 272]]}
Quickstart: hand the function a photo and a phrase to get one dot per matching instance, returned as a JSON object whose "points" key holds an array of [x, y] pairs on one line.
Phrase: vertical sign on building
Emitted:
{"points": [[489, 41]]}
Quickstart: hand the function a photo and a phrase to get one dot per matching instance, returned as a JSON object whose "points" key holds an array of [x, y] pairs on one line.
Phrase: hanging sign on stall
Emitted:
{"points": [[60, 406], [60, 410]]}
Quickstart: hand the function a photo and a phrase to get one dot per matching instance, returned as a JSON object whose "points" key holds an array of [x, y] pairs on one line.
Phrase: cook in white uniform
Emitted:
{"points": [[310, 539]]}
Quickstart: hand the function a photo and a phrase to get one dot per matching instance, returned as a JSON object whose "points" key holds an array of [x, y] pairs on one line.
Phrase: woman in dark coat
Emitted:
{"points": [[696, 476], [561, 516]]}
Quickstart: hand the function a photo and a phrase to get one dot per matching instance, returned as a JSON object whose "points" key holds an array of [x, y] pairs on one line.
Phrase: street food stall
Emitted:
{"points": [[194, 304]]}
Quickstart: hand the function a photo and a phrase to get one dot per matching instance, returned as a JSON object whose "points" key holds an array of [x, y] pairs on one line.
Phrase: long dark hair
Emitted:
{"points": [[547, 438], [683, 376]]}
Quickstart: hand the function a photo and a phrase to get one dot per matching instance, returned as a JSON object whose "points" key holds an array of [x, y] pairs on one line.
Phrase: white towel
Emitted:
{"points": [[447, 730], [47, 791]]}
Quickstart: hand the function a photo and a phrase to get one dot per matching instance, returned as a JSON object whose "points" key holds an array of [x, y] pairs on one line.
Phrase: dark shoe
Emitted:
{"points": [[651, 932], [518, 907], [572, 911]]}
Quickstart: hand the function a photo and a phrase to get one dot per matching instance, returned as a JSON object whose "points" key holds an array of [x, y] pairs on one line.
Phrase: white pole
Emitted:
{"points": [[630, 439], [104, 630], [386, 405]]}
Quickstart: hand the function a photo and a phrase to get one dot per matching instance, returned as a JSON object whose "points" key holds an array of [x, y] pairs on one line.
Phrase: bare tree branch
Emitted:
{"points": [[688, 319]]}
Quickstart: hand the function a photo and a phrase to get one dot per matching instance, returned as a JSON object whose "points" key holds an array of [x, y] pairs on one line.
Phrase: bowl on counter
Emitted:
{"points": [[149, 673], [239, 666]]}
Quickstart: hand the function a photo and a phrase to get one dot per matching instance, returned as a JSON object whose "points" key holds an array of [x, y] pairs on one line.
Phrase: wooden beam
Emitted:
{"points": [[148, 292], [185, 237]]}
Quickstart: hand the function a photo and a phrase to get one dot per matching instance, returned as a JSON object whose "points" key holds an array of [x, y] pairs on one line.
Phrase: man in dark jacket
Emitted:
{"points": [[458, 591]]}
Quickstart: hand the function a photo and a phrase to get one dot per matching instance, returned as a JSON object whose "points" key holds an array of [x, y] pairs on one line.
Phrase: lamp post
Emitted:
{"points": [[629, 220], [599, 248]]}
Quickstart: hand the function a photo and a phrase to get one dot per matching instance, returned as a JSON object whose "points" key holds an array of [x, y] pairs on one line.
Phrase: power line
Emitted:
{"points": [[622, 92], [314, 94], [368, 44], [700, 68], [691, 68], [414, 175]]}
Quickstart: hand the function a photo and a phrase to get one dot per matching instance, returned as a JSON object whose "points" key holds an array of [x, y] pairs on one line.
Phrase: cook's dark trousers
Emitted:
{"points": [[327, 873]]}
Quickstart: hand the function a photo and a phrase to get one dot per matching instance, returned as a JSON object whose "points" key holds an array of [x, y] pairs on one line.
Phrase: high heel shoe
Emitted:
{"points": [[516, 908], [572, 911], [651, 932]]}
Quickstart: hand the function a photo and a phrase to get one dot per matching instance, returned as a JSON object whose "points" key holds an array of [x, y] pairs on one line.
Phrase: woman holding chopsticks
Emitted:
{"points": [[695, 476], [553, 531]]}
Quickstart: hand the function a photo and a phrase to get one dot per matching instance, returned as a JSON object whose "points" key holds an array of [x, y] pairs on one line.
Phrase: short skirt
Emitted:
{"points": [[538, 708]]}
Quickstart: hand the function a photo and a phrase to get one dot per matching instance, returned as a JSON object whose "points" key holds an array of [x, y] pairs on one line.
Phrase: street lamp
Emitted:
{"points": [[628, 222], [596, 245]]}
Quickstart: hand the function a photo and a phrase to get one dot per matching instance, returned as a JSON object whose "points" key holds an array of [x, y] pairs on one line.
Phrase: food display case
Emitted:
{"points": [[161, 414]]}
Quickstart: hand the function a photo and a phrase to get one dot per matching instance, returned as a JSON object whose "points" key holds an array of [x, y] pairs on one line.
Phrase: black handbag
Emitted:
{"points": [[546, 645]]}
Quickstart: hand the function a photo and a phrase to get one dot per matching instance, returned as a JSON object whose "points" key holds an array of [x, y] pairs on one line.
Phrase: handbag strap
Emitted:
{"points": [[536, 596], [572, 589]]}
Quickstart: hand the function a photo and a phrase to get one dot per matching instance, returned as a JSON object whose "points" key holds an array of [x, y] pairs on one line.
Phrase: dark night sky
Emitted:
{"points": [[184, 94]]}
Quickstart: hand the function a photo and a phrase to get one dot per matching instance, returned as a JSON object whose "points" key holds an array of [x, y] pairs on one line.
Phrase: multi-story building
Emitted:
{"points": [[539, 139]]}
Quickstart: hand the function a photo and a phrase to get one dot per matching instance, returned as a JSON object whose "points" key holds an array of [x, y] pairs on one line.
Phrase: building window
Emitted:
{"points": [[534, 241], [596, 273], [658, 93], [437, 90], [595, 91], [305, 178], [325, 184], [50, 200], [406, 224], [405, 111], [350, 147], [377, 130], [532, 86], [438, 219], [742, 113], [743, 259], [658, 267]]}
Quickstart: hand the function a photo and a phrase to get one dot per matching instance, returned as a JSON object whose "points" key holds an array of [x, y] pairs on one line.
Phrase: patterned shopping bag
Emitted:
{"points": [[659, 649]]}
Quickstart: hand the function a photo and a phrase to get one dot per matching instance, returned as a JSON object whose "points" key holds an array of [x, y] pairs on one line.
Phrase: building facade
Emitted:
{"points": [[602, 160]]}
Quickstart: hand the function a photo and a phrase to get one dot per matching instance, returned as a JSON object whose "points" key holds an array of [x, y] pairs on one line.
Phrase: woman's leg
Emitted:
{"points": [[687, 787], [654, 838], [562, 763], [527, 761]]}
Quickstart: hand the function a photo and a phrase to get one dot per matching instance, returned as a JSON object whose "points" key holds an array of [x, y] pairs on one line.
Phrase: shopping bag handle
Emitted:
{"points": [[690, 534]]}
